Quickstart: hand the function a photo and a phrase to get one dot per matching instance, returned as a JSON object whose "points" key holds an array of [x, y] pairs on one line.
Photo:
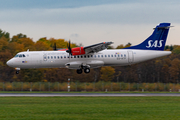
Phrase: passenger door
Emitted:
{"points": [[130, 57]]}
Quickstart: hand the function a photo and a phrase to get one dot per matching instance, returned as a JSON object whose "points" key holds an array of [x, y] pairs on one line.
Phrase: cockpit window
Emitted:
{"points": [[16, 55], [20, 55]]}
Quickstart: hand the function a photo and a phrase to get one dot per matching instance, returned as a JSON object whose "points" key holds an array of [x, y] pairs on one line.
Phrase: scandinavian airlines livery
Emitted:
{"points": [[97, 55]]}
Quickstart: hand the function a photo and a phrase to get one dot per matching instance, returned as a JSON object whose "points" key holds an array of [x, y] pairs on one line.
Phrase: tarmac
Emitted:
{"points": [[85, 94]]}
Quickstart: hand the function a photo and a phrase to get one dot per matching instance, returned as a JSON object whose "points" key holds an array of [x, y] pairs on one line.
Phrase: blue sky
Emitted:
{"points": [[90, 21]]}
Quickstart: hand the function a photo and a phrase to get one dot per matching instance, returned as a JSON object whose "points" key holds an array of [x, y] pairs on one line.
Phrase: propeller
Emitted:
{"points": [[54, 47], [69, 48]]}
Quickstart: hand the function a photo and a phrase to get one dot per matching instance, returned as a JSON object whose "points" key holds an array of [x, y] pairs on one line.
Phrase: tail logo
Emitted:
{"points": [[155, 44]]}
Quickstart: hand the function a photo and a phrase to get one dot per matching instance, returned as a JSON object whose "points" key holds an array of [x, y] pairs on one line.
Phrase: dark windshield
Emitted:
{"points": [[20, 55]]}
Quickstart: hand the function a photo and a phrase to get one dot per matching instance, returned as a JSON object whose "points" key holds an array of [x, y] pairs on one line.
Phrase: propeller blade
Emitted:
{"points": [[55, 47], [69, 48]]}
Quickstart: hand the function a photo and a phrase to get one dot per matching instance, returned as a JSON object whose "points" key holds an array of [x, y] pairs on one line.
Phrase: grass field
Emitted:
{"points": [[89, 108]]}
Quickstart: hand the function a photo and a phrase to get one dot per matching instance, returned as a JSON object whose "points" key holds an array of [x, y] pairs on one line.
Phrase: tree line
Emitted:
{"points": [[165, 69]]}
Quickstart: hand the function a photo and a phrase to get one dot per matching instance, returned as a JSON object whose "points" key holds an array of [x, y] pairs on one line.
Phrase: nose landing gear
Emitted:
{"points": [[17, 70]]}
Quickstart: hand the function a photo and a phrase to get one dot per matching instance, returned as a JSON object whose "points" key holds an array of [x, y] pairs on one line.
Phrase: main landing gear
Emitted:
{"points": [[79, 71], [86, 70]]}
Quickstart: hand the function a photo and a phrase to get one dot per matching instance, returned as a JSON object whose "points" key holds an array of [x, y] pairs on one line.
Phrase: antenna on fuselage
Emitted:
{"points": [[28, 50]]}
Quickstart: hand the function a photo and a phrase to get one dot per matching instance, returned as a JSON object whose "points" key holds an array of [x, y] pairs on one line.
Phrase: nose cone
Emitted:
{"points": [[9, 63]]}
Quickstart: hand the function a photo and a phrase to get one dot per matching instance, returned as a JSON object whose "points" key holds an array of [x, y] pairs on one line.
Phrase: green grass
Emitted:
{"points": [[89, 108]]}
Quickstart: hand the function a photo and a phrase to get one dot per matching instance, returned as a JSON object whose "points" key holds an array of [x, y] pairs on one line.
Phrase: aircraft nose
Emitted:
{"points": [[9, 62]]}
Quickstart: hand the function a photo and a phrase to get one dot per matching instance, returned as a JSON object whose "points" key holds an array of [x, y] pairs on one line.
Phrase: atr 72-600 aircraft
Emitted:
{"points": [[97, 55]]}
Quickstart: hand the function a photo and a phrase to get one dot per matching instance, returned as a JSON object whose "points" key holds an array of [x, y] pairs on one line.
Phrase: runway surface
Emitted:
{"points": [[85, 94]]}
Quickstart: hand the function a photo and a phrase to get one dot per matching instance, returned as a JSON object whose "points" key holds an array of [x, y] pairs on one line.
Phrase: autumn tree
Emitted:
{"points": [[107, 73], [15, 47], [84, 77], [158, 66], [110, 47], [61, 43], [3, 44], [50, 43], [6, 72], [127, 45], [17, 38], [120, 46], [42, 46], [57, 74], [4, 34], [174, 69], [165, 70], [176, 50], [31, 75]]}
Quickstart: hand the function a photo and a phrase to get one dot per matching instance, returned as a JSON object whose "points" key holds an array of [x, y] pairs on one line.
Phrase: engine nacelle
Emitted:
{"points": [[78, 51]]}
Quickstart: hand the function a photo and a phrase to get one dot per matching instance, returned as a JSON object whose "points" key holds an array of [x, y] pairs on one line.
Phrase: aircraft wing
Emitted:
{"points": [[97, 47]]}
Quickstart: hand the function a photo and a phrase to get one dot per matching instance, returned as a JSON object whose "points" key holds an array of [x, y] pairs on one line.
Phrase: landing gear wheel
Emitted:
{"points": [[17, 71], [87, 70], [79, 71]]}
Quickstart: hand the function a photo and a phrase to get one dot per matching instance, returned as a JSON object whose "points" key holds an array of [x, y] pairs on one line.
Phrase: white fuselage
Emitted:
{"points": [[60, 59]]}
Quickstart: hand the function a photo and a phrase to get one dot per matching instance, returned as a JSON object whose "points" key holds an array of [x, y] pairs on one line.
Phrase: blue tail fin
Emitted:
{"points": [[157, 40]]}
